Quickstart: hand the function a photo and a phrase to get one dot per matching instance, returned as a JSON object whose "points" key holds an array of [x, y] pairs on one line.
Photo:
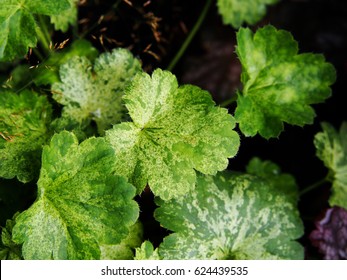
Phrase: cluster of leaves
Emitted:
{"points": [[19, 29], [120, 130]]}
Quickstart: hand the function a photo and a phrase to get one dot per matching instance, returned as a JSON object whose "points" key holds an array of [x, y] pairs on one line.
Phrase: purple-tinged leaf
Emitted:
{"points": [[330, 235]]}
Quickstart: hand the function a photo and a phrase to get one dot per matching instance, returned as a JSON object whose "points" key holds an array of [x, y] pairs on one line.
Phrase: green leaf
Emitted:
{"points": [[146, 252], [47, 72], [125, 249], [18, 25], [23, 126], [80, 204], [279, 85], [174, 131], [231, 217], [65, 123], [236, 12], [94, 92], [331, 148], [272, 174], [8, 249], [66, 18]]}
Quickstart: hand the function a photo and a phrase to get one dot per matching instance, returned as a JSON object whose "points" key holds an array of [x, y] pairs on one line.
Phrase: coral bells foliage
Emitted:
{"points": [[89, 133], [330, 235]]}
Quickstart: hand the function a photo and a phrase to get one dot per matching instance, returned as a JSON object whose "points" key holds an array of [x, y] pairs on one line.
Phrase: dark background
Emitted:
{"points": [[155, 30]]}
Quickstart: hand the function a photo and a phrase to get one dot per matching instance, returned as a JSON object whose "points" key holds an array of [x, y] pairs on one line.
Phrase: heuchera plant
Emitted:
{"points": [[95, 131]]}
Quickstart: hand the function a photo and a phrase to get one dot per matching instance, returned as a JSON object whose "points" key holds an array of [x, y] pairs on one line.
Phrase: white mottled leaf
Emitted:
{"points": [[24, 122], [174, 131], [94, 92], [237, 12], [331, 148], [146, 252], [272, 174], [80, 205], [279, 85], [231, 217]]}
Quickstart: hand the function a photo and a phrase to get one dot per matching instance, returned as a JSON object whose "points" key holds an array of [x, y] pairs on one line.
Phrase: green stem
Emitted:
{"points": [[43, 35], [229, 101], [25, 86], [190, 36], [313, 186], [75, 33], [38, 54]]}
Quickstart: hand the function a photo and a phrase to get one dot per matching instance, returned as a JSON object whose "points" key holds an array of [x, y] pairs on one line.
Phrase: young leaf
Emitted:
{"points": [[236, 12], [94, 93], [332, 150], [65, 123], [80, 204], [278, 83], [23, 130], [174, 131], [68, 17], [330, 235], [231, 217], [146, 252], [18, 25], [272, 174]]}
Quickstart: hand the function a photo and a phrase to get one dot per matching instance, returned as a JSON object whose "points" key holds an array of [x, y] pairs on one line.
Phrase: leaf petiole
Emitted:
{"points": [[43, 35], [313, 186], [190, 36], [228, 101], [38, 54]]}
